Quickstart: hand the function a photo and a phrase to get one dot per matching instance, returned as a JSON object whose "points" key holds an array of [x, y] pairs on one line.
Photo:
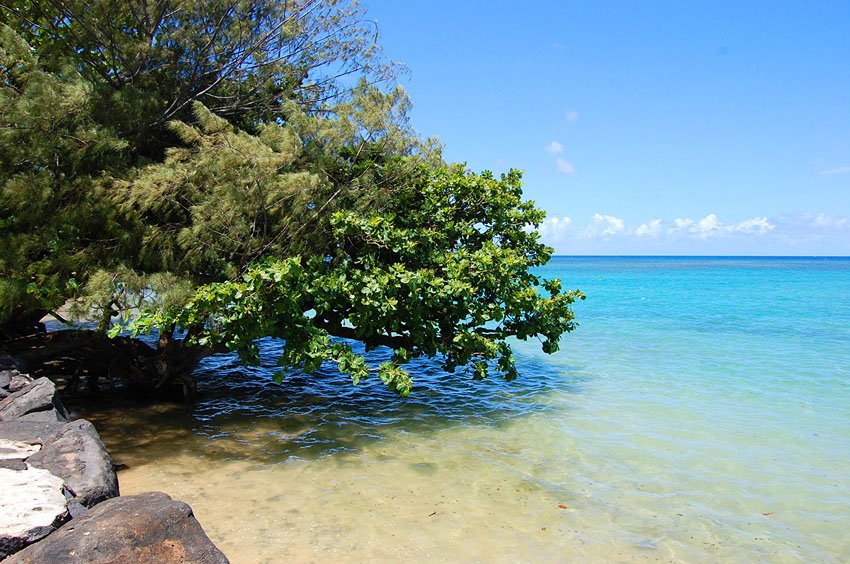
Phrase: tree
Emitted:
{"points": [[56, 219], [243, 59], [315, 215], [440, 267], [88, 90]]}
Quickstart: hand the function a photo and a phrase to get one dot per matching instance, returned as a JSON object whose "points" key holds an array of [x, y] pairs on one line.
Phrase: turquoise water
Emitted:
{"points": [[700, 412], [725, 384]]}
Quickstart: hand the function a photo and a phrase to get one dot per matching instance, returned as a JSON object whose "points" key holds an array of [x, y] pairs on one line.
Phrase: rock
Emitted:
{"points": [[75, 508], [19, 382], [145, 528], [32, 505], [16, 449], [7, 362], [30, 432], [51, 415], [77, 455], [6, 378], [13, 464], [39, 396]]}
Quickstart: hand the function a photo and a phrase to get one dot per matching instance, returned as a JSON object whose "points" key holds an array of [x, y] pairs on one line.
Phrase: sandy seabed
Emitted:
{"points": [[415, 499]]}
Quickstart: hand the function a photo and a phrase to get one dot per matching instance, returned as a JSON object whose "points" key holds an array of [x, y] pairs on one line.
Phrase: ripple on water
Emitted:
{"points": [[680, 429]]}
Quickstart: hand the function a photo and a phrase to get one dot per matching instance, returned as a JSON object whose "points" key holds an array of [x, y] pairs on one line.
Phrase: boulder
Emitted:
{"points": [[51, 415], [77, 455], [40, 395], [32, 505], [145, 528], [31, 432]]}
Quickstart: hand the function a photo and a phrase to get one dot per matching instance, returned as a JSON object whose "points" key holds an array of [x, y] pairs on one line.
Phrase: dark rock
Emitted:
{"points": [[39, 396], [13, 464], [146, 528], [51, 416], [77, 455], [76, 509], [32, 432], [6, 378], [8, 363]]}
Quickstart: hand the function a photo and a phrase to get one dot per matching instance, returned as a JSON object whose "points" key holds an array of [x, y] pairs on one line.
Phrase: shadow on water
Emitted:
{"points": [[241, 413]]}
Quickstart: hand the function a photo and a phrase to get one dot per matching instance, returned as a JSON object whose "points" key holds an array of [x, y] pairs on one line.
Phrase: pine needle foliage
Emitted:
{"points": [[173, 170], [56, 218], [219, 201]]}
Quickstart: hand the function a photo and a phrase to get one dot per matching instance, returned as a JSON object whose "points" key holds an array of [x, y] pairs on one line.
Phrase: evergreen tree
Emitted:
{"points": [[167, 167], [57, 220], [243, 59]]}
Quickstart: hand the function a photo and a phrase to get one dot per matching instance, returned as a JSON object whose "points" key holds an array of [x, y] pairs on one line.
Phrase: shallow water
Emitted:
{"points": [[699, 413]]}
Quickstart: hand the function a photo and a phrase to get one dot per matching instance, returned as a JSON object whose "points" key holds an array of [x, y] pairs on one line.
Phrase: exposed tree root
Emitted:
{"points": [[90, 358]]}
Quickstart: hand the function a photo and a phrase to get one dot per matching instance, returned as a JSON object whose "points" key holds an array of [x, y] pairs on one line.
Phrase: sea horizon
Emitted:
{"points": [[707, 256]]}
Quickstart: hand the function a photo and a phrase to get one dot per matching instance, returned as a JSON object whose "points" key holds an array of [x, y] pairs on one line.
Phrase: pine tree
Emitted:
{"points": [[172, 171], [57, 220]]}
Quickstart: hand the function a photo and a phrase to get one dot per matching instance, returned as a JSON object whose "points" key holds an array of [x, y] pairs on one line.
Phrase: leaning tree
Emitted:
{"points": [[170, 170]]}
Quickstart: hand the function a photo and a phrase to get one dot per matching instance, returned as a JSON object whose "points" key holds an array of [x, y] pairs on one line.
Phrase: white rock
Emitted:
{"points": [[31, 505], [16, 449]]}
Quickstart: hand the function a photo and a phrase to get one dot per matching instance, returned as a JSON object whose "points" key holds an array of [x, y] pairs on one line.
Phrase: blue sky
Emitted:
{"points": [[644, 127]]}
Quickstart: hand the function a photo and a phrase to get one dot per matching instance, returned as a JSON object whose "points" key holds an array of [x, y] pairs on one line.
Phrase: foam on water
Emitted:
{"points": [[700, 412]]}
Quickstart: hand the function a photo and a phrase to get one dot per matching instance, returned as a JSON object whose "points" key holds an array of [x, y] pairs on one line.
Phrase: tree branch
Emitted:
{"points": [[391, 341]]}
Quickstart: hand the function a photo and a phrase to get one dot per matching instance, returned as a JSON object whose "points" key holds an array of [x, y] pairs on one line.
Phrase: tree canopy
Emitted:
{"points": [[217, 172]]}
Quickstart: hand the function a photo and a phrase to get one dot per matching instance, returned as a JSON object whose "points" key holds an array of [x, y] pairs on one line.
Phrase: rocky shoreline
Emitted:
{"points": [[59, 496]]}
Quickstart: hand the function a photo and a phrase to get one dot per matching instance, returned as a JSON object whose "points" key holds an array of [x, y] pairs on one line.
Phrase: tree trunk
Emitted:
{"points": [[76, 357], [20, 324]]}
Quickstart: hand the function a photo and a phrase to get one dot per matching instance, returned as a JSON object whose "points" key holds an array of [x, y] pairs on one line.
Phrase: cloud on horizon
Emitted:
{"points": [[604, 226], [797, 233], [651, 229], [711, 226]]}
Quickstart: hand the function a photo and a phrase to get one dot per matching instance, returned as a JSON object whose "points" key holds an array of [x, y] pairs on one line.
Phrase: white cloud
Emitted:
{"points": [[756, 225], [651, 229], [796, 233], [680, 224], [708, 226], [605, 226], [565, 166], [829, 222], [571, 115], [554, 147], [806, 233], [836, 170], [555, 228]]}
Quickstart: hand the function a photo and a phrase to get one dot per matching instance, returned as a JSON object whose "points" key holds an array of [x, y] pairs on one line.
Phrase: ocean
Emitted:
{"points": [[700, 412]]}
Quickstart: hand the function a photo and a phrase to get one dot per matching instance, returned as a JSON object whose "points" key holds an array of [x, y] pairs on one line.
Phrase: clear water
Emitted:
{"points": [[700, 412]]}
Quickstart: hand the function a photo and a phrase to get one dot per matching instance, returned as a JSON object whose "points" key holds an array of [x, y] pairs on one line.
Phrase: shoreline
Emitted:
{"points": [[60, 498]]}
